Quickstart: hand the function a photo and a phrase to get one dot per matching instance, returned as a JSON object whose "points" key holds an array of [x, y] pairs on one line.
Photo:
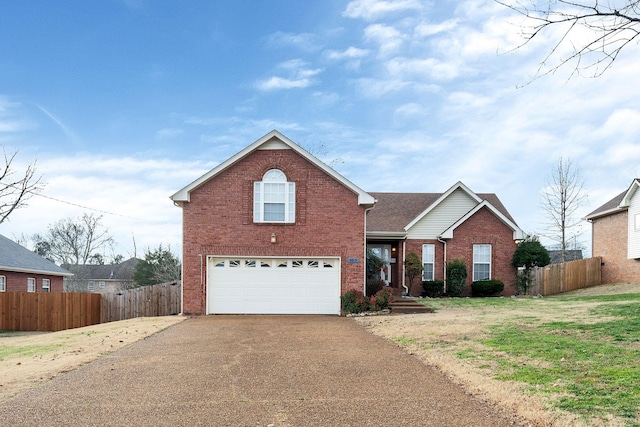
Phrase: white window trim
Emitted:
{"points": [[91, 285], [482, 262], [46, 285], [274, 176], [3, 283], [31, 284], [432, 260]]}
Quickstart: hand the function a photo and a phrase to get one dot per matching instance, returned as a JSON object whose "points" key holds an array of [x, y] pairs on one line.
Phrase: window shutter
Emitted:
{"points": [[257, 213]]}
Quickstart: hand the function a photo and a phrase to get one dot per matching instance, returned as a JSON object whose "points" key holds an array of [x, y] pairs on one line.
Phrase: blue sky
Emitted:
{"points": [[124, 102]]}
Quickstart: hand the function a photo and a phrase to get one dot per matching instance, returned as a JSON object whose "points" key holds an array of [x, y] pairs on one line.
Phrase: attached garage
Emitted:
{"points": [[273, 285]]}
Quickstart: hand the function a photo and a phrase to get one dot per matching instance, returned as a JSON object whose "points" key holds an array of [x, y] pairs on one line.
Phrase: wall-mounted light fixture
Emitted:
{"points": [[393, 249], [273, 238]]}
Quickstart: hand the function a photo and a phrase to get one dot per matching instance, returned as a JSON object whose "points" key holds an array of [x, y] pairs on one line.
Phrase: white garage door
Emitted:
{"points": [[273, 285]]}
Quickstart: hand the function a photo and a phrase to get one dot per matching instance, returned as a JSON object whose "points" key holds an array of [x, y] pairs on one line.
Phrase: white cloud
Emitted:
{"points": [[298, 76], [370, 10], [425, 29], [302, 41], [388, 39], [349, 53]]}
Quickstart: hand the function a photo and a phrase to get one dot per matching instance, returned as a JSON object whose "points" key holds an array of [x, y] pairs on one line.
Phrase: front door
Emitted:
{"points": [[384, 253]]}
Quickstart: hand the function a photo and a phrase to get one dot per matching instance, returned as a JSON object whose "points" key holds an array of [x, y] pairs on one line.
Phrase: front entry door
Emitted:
{"points": [[384, 253]]}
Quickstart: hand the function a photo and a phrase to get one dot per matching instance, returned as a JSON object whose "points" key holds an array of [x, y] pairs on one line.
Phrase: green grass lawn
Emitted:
{"points": [[583, 352]]}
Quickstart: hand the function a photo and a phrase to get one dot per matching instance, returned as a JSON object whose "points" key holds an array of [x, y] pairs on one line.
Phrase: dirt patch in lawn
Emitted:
{"points": [[28, 359], [450, 340]]}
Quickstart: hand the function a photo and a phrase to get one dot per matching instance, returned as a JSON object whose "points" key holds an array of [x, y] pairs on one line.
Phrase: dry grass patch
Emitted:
{"points": [[28, 359], [471, 340]]}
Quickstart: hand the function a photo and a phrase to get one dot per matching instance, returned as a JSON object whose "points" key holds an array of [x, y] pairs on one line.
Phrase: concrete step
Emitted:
{"points": [[408, 306]]}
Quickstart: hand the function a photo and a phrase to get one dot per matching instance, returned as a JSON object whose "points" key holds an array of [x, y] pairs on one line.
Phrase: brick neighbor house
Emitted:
{"points": [[24, 271], [615, 237], [273, 230]]}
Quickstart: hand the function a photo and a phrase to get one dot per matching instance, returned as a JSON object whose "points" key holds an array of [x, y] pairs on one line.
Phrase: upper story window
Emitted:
{"points": [[274, 199]]}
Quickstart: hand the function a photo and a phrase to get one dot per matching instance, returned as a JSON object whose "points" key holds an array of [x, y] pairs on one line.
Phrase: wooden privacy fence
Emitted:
{"points": [[568, 276], [147, 301], [55, 311]]}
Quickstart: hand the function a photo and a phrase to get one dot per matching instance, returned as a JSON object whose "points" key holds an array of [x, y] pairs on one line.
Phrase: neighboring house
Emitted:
{"points": [[275, 230], [22, 270], [615, 237], [101, 278], [569, 255]]}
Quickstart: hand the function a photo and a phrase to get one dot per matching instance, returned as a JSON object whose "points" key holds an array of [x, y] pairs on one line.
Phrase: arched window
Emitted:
{"points": [[274, 199]]}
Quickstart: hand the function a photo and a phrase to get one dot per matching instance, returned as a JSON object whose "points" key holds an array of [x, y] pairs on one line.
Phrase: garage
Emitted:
{"points": [[273, 285]]}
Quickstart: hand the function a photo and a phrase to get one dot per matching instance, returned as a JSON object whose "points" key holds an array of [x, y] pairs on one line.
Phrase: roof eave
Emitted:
{"points": [[32, 271], [386, 235]]}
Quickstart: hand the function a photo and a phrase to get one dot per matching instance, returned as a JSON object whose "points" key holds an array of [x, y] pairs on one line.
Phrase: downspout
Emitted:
{"points": [[404, 254], [444, 263], [364, 267]]}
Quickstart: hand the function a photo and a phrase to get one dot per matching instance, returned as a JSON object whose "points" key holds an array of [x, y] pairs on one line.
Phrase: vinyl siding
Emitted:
{"points": [[442, 216]]}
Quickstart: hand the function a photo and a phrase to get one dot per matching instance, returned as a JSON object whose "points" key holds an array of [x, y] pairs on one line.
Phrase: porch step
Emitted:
{"points": [[408, 306]]}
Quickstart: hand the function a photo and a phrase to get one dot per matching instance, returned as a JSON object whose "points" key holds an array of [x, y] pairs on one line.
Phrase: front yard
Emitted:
{"points": [[572, 359]]}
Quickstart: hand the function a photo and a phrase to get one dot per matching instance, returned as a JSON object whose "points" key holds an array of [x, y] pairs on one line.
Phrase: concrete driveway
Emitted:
{"points": [[253, 371]]}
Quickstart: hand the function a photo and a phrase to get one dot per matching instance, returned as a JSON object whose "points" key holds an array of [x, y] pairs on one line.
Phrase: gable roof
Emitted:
{"points": [[273, 140], [122, 271], [517, 232], [619, 203], [395, 213], [14, 257]]}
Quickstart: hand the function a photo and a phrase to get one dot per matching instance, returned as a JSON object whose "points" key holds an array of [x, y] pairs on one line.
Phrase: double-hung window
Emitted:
{"points": [[428, 262], [31, 284], [274, 198], [481, 262], [3, 283], [46, 285]]}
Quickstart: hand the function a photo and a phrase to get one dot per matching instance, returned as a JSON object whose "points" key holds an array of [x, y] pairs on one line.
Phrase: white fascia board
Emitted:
{"points": [[363, 197], [626, 200], [605, 213], [446, 194], [518, 234]]}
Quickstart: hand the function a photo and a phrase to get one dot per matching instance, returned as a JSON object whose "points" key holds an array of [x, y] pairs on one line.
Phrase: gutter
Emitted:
{"points": [[404, 253]]}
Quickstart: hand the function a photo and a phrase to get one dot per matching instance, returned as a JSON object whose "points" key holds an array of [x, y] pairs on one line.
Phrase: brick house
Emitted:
{"points": [[24, 271], [275, 230], [615, 237], [439, 227]]}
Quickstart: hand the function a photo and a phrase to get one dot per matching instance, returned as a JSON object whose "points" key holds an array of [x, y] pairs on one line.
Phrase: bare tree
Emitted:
{"points": [[16, 190], [561, 198], [74, 241], [593, 32]]}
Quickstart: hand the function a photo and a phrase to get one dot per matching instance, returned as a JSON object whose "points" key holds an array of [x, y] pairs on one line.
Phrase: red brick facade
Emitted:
{"points": [[609, 240], [481, 228], [218, 220], [17, 282]]}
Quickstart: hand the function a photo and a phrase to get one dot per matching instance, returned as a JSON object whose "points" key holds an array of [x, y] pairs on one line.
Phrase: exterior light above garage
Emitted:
{"points": [[273, 238]]}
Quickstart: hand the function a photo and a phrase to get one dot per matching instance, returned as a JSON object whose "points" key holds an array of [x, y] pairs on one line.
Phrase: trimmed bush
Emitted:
{"points": [[456, 277], [382, 299], [486, 288], [374, 286], [355, 301], [433, 288]]}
